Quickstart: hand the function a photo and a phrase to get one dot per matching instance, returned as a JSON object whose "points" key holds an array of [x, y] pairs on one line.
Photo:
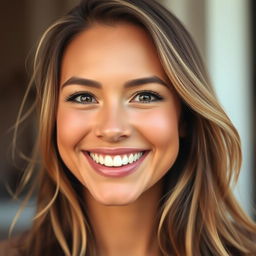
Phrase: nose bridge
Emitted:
{"points": [[112, 115], [112, 123]]}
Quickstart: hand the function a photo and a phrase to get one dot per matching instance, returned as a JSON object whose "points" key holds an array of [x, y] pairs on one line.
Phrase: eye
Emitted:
{"points": [[147, 97], [82, 98]]}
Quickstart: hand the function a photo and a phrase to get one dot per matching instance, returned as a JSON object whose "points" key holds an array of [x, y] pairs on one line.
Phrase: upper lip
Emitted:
{"points": [[115, 151]]}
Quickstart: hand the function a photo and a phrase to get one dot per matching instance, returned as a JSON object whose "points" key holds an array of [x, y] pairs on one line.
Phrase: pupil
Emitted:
{"points": [[144, 97], [85, 98]]}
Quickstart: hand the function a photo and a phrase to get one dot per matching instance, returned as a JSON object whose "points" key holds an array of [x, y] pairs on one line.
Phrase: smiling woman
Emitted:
{"points": [[137, 156]]}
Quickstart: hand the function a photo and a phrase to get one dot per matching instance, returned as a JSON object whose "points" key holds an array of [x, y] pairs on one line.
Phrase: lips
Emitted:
{"points": [[112, 171]]}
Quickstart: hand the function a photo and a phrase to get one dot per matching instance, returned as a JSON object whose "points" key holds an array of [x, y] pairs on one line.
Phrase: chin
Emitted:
{"points": [[114, 198]]}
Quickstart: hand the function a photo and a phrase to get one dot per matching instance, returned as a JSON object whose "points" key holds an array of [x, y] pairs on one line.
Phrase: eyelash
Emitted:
{"points": [[73, 97]]}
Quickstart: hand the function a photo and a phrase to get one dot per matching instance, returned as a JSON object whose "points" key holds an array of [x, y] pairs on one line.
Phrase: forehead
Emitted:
{"points": [[103, 36], [122, 47]]}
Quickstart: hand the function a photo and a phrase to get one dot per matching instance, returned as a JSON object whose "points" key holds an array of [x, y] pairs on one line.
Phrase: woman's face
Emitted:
{"points": [[115, 106]]}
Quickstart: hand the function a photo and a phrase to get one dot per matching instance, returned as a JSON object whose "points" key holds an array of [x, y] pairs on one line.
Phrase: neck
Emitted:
{"points": [[130, 229]]}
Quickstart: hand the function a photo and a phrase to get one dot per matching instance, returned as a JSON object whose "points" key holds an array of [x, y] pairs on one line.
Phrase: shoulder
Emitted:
{"points": [[11, 247]]}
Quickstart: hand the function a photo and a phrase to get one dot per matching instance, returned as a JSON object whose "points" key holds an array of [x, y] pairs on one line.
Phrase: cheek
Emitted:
{"points": [[159, 126], [72, 126]]}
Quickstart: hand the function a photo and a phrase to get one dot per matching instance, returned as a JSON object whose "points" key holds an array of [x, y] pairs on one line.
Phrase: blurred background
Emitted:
{"points": [[225, 34]]}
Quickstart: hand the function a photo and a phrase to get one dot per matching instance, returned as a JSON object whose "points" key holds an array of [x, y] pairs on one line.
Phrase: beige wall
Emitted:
{"points": [[192, 14]]}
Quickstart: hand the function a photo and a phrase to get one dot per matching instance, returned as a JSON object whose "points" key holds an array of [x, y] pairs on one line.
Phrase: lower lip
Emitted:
{"points": [[115, 171]]}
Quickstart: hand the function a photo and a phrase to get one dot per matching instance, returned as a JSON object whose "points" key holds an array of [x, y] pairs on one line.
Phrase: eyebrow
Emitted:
{"points": [[131, 83]]}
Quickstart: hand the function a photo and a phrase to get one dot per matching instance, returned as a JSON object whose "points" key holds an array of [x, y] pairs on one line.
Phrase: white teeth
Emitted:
{"points": [[93, 156], [116, 160], [131, 158], [101, 159], [108, 161], [125, 160]]}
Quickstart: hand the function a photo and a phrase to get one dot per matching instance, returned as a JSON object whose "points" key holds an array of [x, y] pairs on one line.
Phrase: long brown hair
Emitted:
{"points": [[199, 214]]}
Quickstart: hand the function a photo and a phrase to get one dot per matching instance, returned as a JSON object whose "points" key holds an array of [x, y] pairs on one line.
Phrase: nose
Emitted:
{"points": [[112, 124]]}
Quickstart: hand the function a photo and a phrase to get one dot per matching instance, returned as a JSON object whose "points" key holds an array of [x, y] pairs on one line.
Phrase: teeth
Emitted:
{"points": [[101, 159], [108, 161], [125, 160], [131, 158], [117, 160], [96, 158]]}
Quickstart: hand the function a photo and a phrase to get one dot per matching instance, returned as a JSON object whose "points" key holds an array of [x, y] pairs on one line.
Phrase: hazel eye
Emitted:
{"points": [[147, 97], [82, 98]]}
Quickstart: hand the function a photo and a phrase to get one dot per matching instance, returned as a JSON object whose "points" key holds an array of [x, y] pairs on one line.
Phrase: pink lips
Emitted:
{"points": [[115, 171]]}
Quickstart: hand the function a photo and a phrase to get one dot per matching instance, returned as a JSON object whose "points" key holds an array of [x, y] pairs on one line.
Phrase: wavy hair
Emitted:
{"points": [[198, 214]]}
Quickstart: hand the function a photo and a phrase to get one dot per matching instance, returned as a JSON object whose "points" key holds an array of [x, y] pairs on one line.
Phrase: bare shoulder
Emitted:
{"points": [[11, 246]]}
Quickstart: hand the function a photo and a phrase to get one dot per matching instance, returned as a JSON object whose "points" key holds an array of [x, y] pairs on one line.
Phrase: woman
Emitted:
{"points": [[137, 156]]}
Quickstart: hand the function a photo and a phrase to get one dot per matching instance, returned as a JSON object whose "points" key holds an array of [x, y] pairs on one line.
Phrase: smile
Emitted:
{"points": [[115, 163], [117, 160]]}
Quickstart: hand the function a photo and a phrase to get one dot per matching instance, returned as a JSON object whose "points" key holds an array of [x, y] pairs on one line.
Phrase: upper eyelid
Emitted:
{"points": [[76, 94], [149, 91]]}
